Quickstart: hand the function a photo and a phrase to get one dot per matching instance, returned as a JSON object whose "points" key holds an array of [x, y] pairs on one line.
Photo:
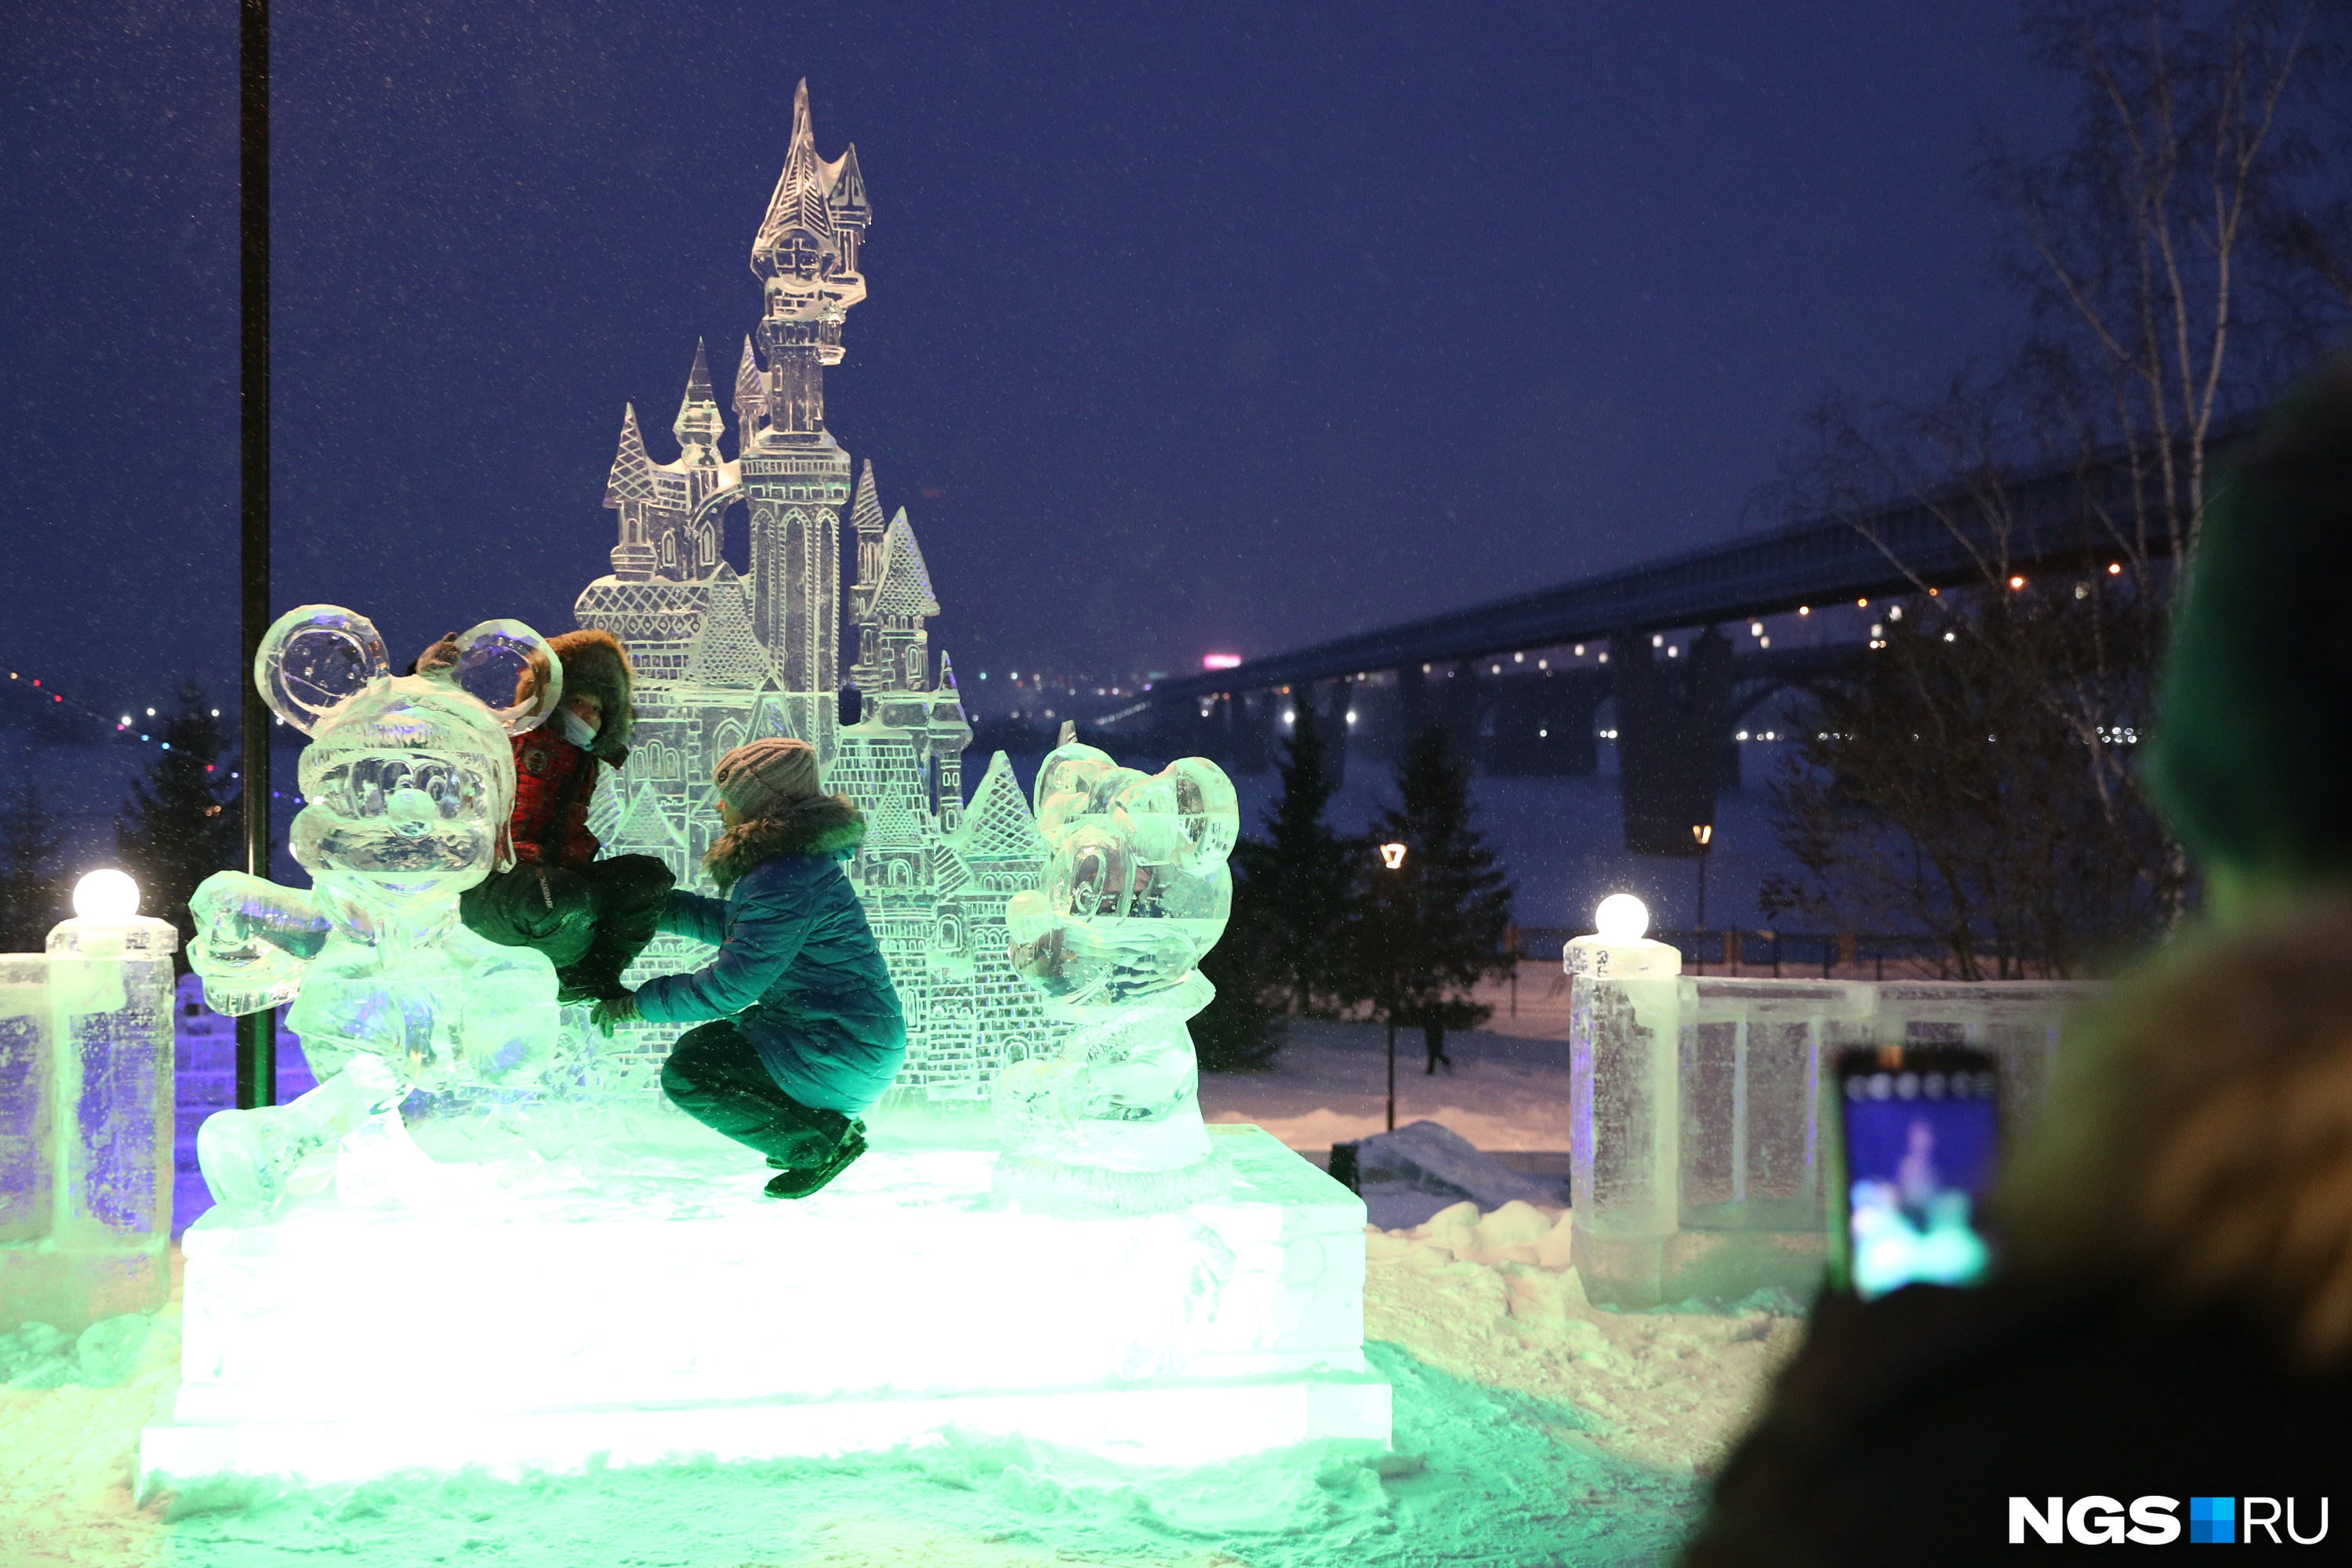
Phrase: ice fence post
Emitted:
{"points": [[87, 1060], [1624, 1037]]}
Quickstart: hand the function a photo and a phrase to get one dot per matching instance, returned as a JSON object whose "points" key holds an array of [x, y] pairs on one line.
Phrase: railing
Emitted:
{"points": [[1908, 955], [1699, 1122]]}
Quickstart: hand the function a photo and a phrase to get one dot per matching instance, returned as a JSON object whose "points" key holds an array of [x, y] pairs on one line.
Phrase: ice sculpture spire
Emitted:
{"points": [[627, 490], [865, 516], [751, 398], [698, 426], [892, 642]]}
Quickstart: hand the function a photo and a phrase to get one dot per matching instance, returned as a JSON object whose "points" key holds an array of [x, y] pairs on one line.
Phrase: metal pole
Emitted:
{"points": [[1391, 1071], [257, 1032], [1388, 947]]}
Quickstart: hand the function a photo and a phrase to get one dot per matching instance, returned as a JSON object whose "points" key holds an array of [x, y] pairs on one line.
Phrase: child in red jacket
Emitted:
{"points": [[591, 917]]}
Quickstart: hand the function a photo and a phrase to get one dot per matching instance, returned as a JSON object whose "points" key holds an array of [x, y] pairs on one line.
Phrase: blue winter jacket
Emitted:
{"points": [[797, 968]]}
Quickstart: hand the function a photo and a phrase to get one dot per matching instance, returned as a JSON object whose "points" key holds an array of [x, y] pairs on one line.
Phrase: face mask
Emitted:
{"points": [[576, 730]]}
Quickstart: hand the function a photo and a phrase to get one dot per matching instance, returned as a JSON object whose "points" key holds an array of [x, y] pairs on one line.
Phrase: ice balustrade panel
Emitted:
{"points": [[112, 992], [27, 1099], [1750, 1117], [2018, 1021]]}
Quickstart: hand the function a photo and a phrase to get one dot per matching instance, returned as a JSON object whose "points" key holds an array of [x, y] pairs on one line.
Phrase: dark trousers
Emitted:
{"points": [[590, 920], [716, 1076]]}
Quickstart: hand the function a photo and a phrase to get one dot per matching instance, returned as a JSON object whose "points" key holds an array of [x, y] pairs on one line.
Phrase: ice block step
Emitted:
{"points": [[666, 1282]]}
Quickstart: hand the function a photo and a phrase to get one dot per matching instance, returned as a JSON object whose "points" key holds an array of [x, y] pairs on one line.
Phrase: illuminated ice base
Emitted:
{"points": [[542, 1315]]}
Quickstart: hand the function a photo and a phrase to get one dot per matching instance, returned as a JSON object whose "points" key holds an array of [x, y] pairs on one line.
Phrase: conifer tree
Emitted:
{"points": [[1296, 882], [177, 828], [1426, 932], [31, 898]]}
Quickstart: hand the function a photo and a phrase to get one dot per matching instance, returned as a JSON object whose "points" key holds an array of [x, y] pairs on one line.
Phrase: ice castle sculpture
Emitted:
{"points": [[408, 783], [724, 657]]}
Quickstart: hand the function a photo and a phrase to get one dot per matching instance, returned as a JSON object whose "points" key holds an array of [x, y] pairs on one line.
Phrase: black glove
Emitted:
{"points": [[621, 1009]]}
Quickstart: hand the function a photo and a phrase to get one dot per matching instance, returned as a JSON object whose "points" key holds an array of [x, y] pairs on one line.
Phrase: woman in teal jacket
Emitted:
{"points": [[805, 1029]]}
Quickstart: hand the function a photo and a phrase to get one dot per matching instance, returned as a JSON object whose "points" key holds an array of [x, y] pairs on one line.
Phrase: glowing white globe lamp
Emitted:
{"points": [[108, 896], [1622, 919]]}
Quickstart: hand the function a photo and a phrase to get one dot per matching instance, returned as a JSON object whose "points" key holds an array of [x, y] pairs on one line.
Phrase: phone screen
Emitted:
{"points": [[1920, 1133]]}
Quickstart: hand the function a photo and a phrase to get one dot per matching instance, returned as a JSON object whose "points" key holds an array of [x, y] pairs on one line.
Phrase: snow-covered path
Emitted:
{"points": [[1329, 1084]]}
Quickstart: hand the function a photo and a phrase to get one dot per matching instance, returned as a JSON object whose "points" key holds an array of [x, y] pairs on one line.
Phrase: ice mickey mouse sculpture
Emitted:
{"points": [[407, 784], [1137, 890]]}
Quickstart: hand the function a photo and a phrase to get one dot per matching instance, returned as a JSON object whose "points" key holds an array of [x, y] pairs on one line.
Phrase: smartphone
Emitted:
{"points": [[1920, 1128]]}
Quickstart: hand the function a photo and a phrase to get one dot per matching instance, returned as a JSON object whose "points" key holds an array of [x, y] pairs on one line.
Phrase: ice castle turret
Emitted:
{"points": [[725, 657]]}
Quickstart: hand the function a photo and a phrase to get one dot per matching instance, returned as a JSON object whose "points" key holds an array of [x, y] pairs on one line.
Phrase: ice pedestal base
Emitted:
{"points": [[1635, 1272], [70, 1289], [664, 1307]]}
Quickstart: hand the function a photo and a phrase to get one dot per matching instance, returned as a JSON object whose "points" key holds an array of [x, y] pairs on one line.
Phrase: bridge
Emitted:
{"points": [[1520, 683]]}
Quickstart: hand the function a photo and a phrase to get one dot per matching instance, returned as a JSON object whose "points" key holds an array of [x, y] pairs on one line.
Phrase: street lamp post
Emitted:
{"points": [[1704, 834], [1392, 859]]}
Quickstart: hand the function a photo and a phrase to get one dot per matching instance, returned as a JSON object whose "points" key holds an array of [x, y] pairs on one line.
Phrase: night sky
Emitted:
{"points": [[1190, 327]]}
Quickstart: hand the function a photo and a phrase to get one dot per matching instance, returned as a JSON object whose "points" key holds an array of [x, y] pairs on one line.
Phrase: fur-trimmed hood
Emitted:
{"points": [[593, 662], [816, 824], [2199, 1134]]}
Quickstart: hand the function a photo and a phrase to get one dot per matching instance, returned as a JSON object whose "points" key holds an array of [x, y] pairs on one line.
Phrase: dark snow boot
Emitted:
{"points": [[799, 1181]]}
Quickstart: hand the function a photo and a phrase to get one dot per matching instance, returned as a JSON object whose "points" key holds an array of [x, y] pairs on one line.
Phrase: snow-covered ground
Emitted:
{"points": [[1530, 1429], [1328, 1084]]}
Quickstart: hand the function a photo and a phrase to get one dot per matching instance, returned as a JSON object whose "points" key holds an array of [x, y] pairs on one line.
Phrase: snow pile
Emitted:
{"points": [[68, 1450], [39, 1356], [1494, 1299]]}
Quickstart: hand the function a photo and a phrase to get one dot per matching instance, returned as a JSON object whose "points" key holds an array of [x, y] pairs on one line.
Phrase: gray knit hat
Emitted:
{"points": [[764, 778]]}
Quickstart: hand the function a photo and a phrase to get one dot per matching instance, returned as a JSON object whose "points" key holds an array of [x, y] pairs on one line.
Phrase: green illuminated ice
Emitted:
{"points": [[1138, 889], [407, 785]]}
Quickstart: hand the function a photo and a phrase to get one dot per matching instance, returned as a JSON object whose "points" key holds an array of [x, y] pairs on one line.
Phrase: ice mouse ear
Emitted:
{"points": [[1184, 815], [315, 658], [509, 669], [1065, 782]]}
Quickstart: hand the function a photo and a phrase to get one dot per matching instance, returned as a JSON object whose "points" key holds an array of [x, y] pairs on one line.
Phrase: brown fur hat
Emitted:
{"points": [[593, 662], [2200, 1131]]}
